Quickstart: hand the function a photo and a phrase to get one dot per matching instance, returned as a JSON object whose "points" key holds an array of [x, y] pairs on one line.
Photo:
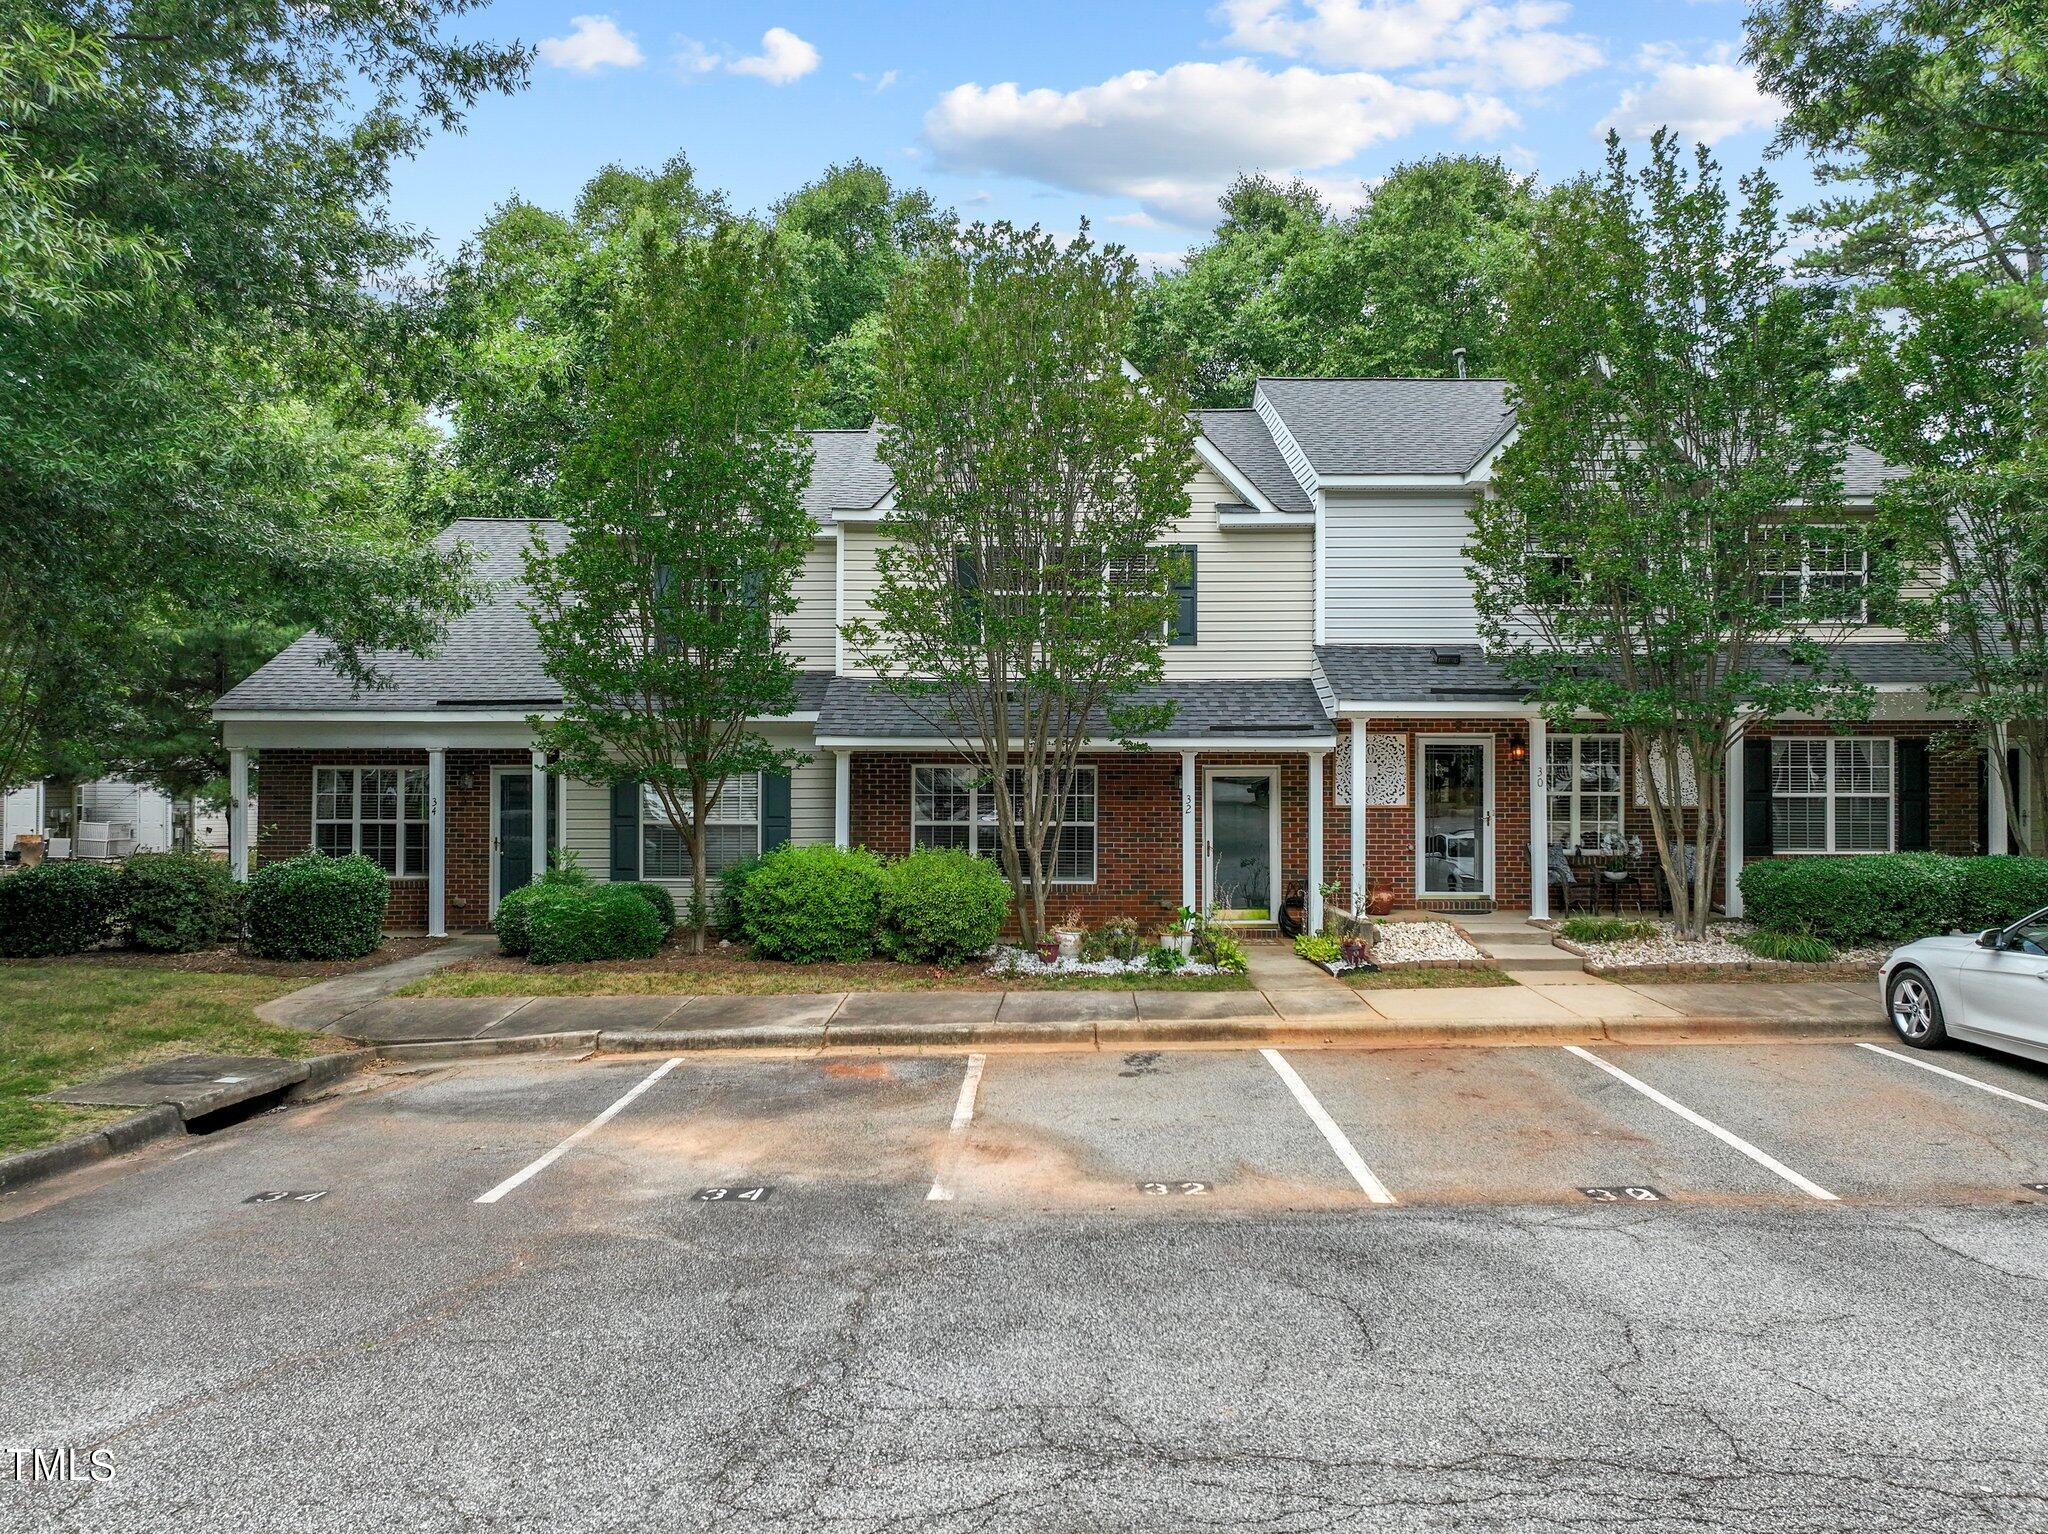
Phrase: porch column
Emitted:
{"points": [[1315, 841], [539, 800], [1997, 813], [1539, 817], [437, 841], [842, 793], [1732, 827], [1358, 791], [1187, 831], [238, 814]]}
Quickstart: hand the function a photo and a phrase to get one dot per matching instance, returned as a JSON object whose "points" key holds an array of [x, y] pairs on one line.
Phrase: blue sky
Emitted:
{"points": [[1132, 114]]}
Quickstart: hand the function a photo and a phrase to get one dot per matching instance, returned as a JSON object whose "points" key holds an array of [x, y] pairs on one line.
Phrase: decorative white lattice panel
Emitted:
{"points": [[1386, 769], [1340, 768], [1688, 784]]}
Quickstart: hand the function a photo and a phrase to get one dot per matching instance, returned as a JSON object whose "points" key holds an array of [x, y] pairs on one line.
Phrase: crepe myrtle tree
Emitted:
{"points": [[681, 489], [1653, 531], [1929, 123], [1023, 588]]}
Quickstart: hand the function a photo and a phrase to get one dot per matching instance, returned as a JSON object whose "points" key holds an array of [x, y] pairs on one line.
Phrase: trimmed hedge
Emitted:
{"points": [[1995, 892], [317, 907], [661, 900], [728, 909], [942, 906], [814, 904], [175, 902], [570, 925], [1891, 897], [57, 908]]}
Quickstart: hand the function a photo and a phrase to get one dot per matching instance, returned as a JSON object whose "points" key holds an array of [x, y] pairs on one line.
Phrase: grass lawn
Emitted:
{"points": [[1426, 979], [64, 1022], [726, 974]]}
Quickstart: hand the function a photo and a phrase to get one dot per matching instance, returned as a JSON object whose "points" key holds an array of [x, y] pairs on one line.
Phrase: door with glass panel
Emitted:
{"points": [[512, 830], [1243, 811], [1454, 818]]}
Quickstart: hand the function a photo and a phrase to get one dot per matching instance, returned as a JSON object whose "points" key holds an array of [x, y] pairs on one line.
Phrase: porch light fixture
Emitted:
{"points": [[1517, 750]]}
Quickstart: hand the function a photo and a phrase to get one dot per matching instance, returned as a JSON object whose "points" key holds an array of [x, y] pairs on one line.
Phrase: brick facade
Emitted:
{"points": [[284, 789], [1390, 829]]}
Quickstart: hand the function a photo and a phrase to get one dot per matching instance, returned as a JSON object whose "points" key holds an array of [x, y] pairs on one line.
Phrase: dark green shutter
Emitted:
{"points": [[1756, 797], [626, 832], [1912, 795], [966, 593], [1184, 596], [774, 810]]}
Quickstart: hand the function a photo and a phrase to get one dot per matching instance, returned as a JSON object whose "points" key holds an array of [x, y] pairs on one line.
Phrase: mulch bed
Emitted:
{"points": [[233, 961]]}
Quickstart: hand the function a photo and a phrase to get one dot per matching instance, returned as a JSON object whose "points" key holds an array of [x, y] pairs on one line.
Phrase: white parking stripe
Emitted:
{"points": [[1725, 1136], [1968, 1081], [604, 1118], [1353, 1162], [963, 1115]]}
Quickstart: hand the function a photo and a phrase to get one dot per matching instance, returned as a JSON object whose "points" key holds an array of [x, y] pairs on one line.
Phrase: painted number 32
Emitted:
{"points": [[1161, 1188]]}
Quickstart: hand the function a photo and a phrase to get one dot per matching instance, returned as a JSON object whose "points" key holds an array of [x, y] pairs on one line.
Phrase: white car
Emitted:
{"points": [[1990, 989]]}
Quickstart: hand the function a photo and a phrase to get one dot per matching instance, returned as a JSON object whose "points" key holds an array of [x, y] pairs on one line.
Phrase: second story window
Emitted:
{"points": [[1828, 572]]}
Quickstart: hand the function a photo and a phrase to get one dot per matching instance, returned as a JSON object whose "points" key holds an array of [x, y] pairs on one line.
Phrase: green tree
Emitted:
{"points": [[1283, 288], [682, 475], [1679, 440], [1023, 594], [850, 234], [200, 364], [1931, 121]]}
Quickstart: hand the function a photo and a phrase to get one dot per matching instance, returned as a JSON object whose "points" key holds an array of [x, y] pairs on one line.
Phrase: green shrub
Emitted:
{"points": [[1997, 891], [572, 925], [1117, 939], [663, 902], [174, 902], [57, 908], [1788, 947], [1218, 946], [1164, 961], [1854, 902], [813, 904], [1318, 950], [1605, 929], [942, 906], [728, 907], [317, 907]]}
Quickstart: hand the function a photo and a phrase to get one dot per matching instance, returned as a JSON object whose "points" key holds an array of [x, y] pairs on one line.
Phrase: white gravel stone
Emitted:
{"points": [[1018, 961], [1412, 942], [1668, 946]]}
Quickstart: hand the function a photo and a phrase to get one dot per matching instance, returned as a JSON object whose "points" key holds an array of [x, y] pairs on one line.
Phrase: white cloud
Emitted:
{"points": [[1707, 99], [1172, 139], [876, 83], [593, 43], [783, 57], [1516, 45], [693, 58]]}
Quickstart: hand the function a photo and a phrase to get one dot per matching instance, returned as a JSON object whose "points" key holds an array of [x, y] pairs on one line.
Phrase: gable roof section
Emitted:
{"points": [[1241, 437], [846, 474], [1391, 426]]}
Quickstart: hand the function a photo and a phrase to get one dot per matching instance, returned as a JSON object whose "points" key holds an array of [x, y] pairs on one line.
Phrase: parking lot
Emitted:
{"points": [[1770, 1285]]}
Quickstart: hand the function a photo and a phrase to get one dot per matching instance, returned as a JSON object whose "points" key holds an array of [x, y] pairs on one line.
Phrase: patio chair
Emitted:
{"points": [[1571, 889]]}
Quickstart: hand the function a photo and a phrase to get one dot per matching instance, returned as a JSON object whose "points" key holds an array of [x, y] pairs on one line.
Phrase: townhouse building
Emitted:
{"points": [[1337, 722]]}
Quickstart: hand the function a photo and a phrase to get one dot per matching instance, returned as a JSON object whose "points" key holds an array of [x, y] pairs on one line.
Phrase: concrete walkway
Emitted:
{"points": [[317, 1008]]}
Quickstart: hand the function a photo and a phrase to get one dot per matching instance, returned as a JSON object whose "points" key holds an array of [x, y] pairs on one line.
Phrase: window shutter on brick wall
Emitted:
{"points": [[774, 810], [1912, 795], [1184, 597], [1756, 797], [626, 831]]}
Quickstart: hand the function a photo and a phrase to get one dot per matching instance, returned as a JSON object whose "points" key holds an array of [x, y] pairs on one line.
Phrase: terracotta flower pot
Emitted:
{"points": [[1379, 902]]}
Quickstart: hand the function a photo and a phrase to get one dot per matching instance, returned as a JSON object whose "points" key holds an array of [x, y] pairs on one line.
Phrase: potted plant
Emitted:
{"points": [[1181, 936], [1068, 936]]}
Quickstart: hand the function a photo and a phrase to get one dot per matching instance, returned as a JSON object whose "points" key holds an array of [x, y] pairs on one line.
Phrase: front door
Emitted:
{"points": [[1454, 818], [512, 830], [1243, 810]]}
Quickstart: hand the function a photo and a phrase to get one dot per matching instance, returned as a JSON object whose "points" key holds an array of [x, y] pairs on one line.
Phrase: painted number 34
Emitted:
{"points": [[731, 1195]]}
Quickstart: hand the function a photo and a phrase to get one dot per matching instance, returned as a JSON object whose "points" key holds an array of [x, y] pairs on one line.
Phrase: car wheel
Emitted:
{"points": [[1914, 1009]]}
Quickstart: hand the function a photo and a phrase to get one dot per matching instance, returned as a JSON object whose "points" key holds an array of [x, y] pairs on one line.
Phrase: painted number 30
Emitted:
{"points": [[1622, 1195]]}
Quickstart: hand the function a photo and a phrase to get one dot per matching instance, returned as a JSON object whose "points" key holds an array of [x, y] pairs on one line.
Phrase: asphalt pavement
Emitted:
{"points": [[1740, 1286]]}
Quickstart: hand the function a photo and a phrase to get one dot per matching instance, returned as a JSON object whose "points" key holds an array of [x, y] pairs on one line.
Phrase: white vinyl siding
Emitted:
{"points": [[1832, 794], [1394, 569], [813, 626], [860, 543]]}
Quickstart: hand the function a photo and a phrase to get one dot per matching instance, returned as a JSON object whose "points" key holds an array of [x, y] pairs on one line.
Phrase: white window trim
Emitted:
{"points": [[1805, 573], [1830, 795], [640, 844], [355, 820], [1576, 792], [974, 819]]}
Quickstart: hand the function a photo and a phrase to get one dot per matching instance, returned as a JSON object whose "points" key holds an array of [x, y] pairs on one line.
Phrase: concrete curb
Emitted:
{"points": [[487, 1049], [115, 1139]]}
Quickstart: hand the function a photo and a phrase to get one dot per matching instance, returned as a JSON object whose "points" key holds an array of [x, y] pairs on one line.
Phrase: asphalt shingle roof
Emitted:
{"points": [[1392, 425], [845, 473], [1242, 437], [859, 708], [1396, 673]]}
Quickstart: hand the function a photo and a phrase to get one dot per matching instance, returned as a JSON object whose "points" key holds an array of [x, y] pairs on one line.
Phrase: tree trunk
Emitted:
{"points": [[700, 904]]}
